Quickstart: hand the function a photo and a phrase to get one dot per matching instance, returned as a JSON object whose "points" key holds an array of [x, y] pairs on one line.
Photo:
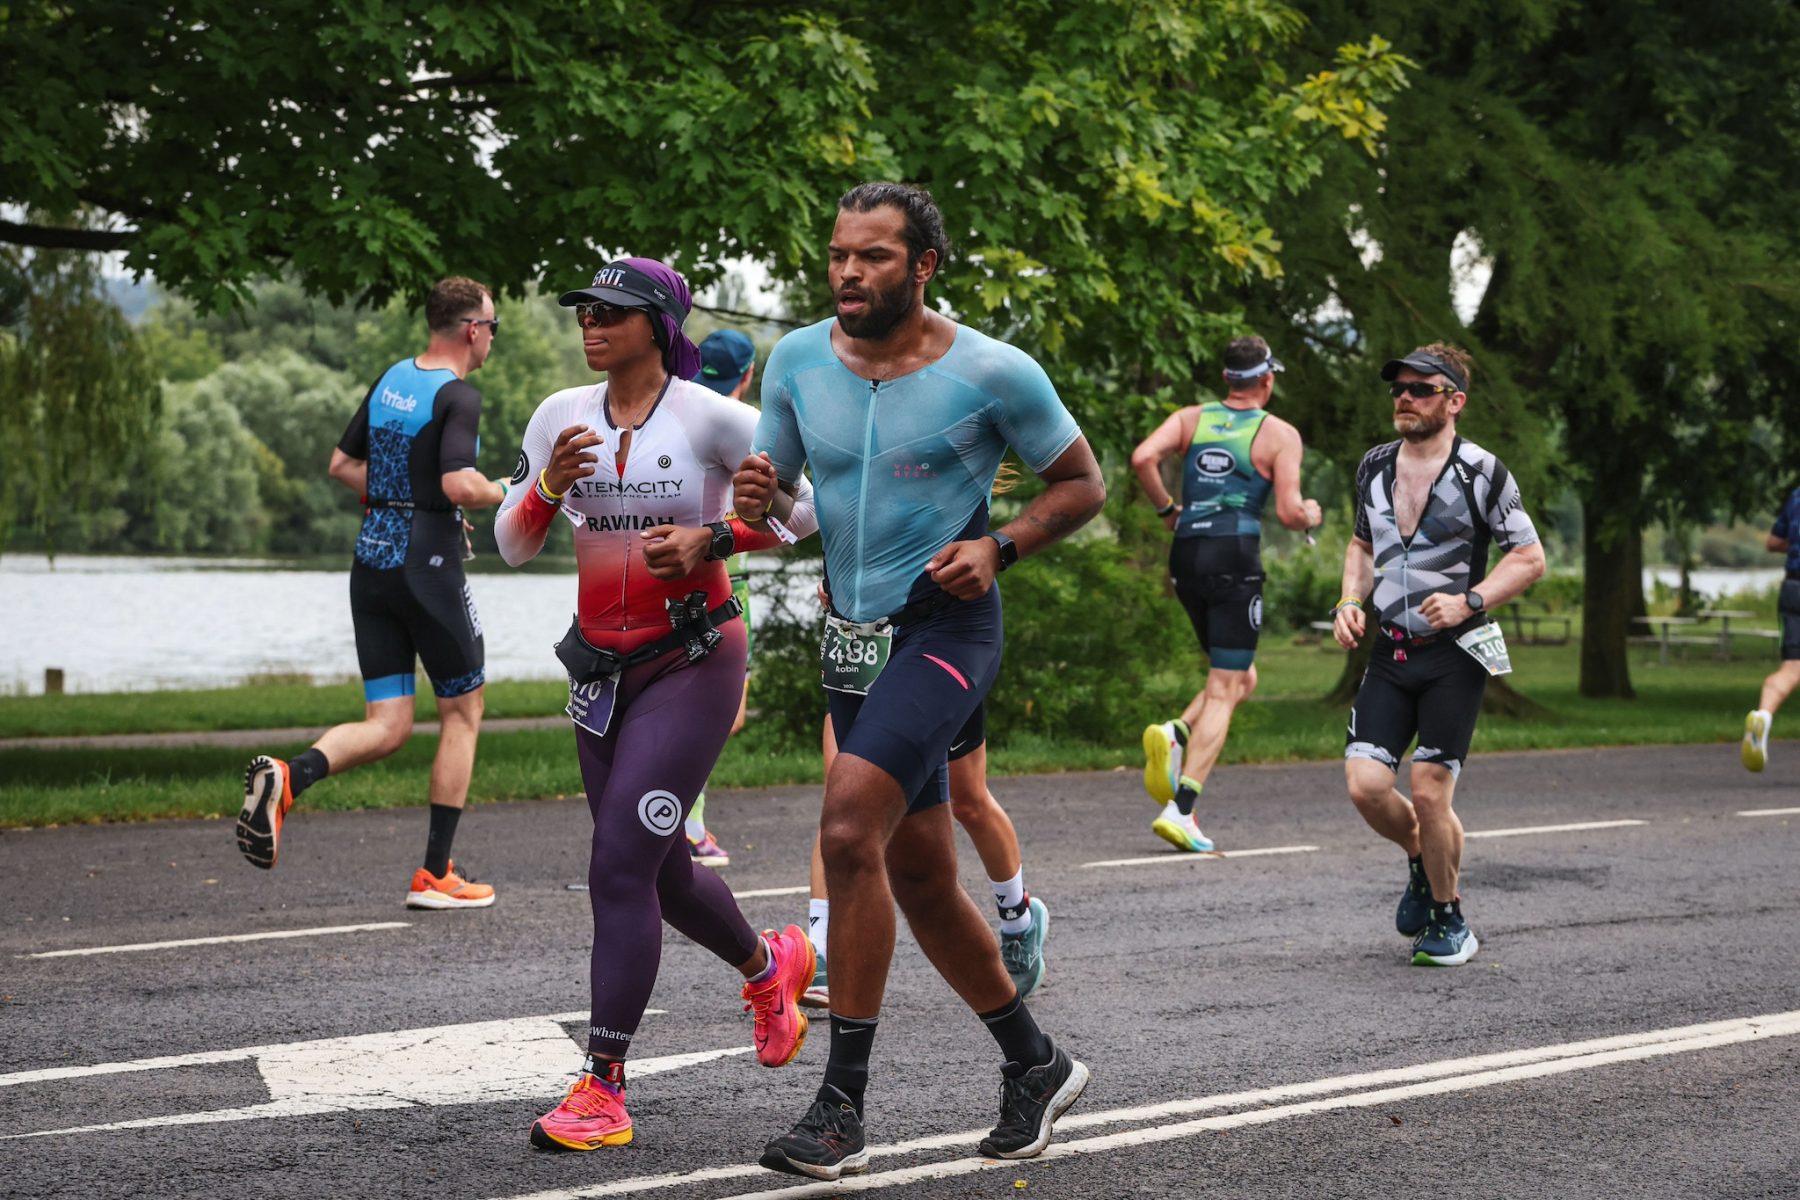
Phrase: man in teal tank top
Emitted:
{"points": [[1235, 455]]}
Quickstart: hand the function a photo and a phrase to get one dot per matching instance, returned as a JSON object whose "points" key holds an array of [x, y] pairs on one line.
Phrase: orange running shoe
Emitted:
{"points": [[268, 794], [452, 891], [775, 1001], [592, 1115]]}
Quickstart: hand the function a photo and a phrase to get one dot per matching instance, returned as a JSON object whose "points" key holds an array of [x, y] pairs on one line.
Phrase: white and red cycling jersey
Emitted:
{"points": [[677, 471]]}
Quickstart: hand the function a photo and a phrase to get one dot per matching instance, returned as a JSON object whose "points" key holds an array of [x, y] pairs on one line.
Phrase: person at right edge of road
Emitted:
{"points": [[1427, 509], [1235, 456], [1784, 539], [904, 416]]}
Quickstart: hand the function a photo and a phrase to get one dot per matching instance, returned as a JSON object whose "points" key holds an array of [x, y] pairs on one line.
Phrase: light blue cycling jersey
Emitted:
{"points": [[900, 467]]}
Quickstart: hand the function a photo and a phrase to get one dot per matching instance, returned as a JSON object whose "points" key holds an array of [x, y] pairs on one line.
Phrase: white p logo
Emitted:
{"points": [[660, 812]]}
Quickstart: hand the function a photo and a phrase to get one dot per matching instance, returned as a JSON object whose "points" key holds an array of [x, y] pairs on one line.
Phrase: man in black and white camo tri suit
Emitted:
{"points": [[1428, 508]]}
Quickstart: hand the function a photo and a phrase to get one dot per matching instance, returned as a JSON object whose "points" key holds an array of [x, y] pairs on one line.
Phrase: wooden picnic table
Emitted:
{"points": [[1662, 631], [1528, 627], [1726, 616]]}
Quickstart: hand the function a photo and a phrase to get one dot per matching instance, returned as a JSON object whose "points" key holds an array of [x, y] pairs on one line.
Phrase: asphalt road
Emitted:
{"points": [[1252, 1024]]}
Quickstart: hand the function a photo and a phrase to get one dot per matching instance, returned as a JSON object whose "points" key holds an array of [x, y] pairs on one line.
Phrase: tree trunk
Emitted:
{"points": [[1636, 605], [1503, 700], [1355, 663], [1612, 575]]}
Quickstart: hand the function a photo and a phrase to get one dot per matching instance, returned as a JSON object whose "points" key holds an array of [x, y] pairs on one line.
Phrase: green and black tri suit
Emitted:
{"points": [[1216, 561]]}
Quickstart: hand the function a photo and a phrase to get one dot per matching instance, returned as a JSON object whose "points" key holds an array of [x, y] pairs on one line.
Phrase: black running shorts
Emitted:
{"points": [[1434, 694], [426, 612], [1790, 619], [936, 678], [1219, 581]]}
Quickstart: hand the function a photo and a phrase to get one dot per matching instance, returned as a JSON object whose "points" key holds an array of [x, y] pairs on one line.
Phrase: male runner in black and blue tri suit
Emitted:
{"points": [[409, 452]]}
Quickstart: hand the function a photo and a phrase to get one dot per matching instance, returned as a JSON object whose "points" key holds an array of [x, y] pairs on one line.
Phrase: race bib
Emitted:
{"points": [[851, 656], [1486, 644], [591, 704]]}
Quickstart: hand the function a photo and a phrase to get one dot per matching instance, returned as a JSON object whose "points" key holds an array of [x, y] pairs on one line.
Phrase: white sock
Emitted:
{"points": [[1767, 716], [818, 915], [1009, 897]]}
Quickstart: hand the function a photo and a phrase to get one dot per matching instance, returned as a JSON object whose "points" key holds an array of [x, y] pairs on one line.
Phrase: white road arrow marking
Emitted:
{"points": [[521, 1059]]}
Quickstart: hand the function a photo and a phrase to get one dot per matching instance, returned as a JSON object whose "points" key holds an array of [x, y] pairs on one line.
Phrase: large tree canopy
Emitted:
{"points": [[1104, 166]]}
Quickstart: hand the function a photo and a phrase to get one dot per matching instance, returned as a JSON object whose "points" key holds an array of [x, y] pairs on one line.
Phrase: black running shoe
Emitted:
{"points": [[1030, 1104], [827, 1143], [1415, 902]]}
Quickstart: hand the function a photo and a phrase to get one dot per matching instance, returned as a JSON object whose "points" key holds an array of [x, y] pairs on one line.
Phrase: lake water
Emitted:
{"points": [[133, 624]]}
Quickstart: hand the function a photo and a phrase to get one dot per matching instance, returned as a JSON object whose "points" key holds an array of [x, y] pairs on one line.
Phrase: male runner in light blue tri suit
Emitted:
{"points": [[904, 416]]}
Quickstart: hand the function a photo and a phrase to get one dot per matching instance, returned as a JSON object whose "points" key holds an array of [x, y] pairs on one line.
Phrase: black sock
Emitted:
{"points": [[1184, 800], [847, 1068], [307, 770], [437, 842], [1022, 1043]]}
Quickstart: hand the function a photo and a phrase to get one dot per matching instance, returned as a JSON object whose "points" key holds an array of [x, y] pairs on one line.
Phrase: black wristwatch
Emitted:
{"points": [[724, 542], [1009, 553], [1476, 603]]}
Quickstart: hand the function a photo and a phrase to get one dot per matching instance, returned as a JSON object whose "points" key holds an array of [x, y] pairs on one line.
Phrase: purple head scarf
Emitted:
{"points": [[647, 283]]}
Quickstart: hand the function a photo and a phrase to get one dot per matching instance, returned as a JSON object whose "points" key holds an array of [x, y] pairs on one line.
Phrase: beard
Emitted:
{"points": [[884, 313], [1418, 426]]}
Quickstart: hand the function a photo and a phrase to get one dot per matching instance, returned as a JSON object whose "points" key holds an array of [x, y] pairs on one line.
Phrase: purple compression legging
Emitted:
{"points": [[670, 721]]}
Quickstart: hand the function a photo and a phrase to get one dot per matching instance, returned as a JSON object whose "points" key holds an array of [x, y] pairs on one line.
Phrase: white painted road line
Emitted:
{"points": [[1177, 856], [1784, 1025], [1362, 1090], [1770, 812], [787, 891], [523, 1059], [220, 941], [1575, 828]]}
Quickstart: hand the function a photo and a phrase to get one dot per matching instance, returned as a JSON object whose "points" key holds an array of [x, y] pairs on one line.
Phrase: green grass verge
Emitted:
{"points": [[1698, 700]]}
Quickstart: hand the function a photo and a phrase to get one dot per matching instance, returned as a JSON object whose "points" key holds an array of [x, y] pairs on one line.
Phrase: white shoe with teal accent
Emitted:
{"points": [[1755, 750], [1181, 832], [1023, 953]]}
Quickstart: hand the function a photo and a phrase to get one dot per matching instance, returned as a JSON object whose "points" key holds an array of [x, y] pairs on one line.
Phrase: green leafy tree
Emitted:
{"points": [[77, 390], [1104, 164], [1626, 169]]}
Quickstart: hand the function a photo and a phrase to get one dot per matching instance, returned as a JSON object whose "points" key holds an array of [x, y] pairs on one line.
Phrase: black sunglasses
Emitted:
{"points": [[493, 324], [1418, 391], [602, 313]]}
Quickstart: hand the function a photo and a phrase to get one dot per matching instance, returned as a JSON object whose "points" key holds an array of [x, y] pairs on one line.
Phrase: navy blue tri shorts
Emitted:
{"points": [[938, 673]]}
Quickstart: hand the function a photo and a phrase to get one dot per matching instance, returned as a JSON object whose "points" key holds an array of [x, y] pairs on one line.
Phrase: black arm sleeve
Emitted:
{"points": [[460, 405], [355, 441]]}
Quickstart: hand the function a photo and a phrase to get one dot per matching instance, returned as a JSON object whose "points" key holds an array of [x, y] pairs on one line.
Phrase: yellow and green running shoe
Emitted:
{"points": [[1165, 745], [1755, 750]]}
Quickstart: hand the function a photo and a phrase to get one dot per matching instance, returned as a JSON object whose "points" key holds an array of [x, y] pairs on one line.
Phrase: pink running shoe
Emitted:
{"points": [[592, 1115], [775, 1001]]}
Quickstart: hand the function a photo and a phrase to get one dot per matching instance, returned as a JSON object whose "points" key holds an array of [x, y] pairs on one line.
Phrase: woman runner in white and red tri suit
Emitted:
{"points": [[640, 466]]}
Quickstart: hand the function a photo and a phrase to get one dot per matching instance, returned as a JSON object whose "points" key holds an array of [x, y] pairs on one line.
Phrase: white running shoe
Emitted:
{"points": [[1181, 832], [1755, 751]]}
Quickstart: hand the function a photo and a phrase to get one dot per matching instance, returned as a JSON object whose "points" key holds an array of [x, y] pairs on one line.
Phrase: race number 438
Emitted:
{"points": [[851, 656]]}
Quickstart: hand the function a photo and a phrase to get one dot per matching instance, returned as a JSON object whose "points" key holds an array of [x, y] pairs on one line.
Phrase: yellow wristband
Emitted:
{"points": [[1344, 603], [545, 487]]}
